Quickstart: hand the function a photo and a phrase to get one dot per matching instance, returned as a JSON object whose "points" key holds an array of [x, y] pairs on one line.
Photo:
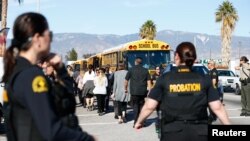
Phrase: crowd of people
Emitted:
{"points": [[45, 108]]}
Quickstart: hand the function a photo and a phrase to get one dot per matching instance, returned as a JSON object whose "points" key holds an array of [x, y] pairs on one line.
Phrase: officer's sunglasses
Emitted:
{"points": [[51, 36]]}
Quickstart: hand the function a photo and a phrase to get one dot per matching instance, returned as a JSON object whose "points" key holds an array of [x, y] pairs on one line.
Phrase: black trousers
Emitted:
{"points": [[100, 102], [107, 99], [185, 132], [122, 106], [137, 103], [115, 104]]}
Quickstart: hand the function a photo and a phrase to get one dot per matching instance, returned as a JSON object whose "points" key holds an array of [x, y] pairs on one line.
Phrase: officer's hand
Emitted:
{"points": [[94, 138], [237, 68], [138, 125], [56, 61]]}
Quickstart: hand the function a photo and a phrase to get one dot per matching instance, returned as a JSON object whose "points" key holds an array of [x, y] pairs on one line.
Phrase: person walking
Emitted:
{"points": [[154, 77], [79, 81], [108, 74], [184, 96], [140, 83], [120, 96], [29, 105], [215, 79], [245, 85], [88, 86], [61, 91], [100, 90]]}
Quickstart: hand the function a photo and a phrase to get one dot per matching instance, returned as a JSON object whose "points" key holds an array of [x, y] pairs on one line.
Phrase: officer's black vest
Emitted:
{"points": [[19, 123], [65, 104], [184, 98]]}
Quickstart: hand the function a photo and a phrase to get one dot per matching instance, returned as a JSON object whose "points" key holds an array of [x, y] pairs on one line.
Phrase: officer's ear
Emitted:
{"points": [[35, 40], [177, 58]]}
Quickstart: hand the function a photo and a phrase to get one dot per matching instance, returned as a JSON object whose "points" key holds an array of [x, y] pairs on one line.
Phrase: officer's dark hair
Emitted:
{"points": [[90, 67], [187, 53], [25, 27], [121, 66], [48, 57], [102, 69], [244, 58], [138, 60]]}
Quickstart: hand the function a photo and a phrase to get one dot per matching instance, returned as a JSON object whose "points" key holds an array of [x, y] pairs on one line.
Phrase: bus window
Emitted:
{"points": [[156, 58], [151, 59]]}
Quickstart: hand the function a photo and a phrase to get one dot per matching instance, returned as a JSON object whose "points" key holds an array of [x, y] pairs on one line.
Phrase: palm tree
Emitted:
{"points": [[4, 13], [3, 18], [4, 8], [148, 30], [226, 14], [4, 4]]}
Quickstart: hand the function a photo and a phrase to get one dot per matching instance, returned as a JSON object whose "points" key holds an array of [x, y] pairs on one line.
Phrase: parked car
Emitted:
{"points": [[229, 80], [199, 68]]}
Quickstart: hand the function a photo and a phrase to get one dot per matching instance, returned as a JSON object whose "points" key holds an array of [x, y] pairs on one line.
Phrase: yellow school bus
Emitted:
{"points": [[95, 60], [153, 52], [80, 65]]}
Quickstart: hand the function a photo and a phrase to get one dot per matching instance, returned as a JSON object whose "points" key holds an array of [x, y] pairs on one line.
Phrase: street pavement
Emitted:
{"points": [[233, 106], [106, 128]]}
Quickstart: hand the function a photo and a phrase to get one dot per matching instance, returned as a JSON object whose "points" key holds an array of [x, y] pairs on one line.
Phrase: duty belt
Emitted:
{"points": [[192, 121]]}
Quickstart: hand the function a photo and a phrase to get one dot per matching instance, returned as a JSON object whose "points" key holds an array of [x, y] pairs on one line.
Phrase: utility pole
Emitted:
{"points": [[239, 48], [38, 6], [210, 57]]}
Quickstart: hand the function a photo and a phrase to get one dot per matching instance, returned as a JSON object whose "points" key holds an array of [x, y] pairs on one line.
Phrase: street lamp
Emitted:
{"points": [[38, 6]]}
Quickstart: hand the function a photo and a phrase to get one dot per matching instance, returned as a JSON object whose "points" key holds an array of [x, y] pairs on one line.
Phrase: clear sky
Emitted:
{"points": [[126, 16]]}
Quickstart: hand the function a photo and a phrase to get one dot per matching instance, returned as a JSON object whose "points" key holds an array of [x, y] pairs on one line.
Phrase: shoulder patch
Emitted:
{"points": [[5, 96], [214, 73], [39, 84]]}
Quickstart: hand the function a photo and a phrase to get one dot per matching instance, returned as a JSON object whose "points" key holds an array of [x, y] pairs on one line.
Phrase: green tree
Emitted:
{"points": [[227, 15], [71, 55], [148, 30]]}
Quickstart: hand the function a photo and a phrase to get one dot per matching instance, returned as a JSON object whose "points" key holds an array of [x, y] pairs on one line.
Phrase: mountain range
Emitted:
{"points": [[93, 43]]}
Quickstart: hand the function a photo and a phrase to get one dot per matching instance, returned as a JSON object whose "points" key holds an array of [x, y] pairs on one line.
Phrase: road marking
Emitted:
{"points": [[229, 95], [232, 109], [238, 117], [87, 115], [90, 115], [103, 123]]}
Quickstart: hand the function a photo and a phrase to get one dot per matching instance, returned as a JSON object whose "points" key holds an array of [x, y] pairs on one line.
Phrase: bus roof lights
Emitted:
{"points": [[134, 47], [130, 47], [165, 47]]}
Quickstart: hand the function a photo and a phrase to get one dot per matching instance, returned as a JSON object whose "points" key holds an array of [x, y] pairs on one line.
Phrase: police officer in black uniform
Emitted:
{"points": [[29, 104], [215, 79], [62, 91], [184, 97]]}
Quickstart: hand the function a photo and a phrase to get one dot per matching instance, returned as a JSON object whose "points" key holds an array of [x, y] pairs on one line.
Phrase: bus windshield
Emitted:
{"points": [[151, 59]]}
